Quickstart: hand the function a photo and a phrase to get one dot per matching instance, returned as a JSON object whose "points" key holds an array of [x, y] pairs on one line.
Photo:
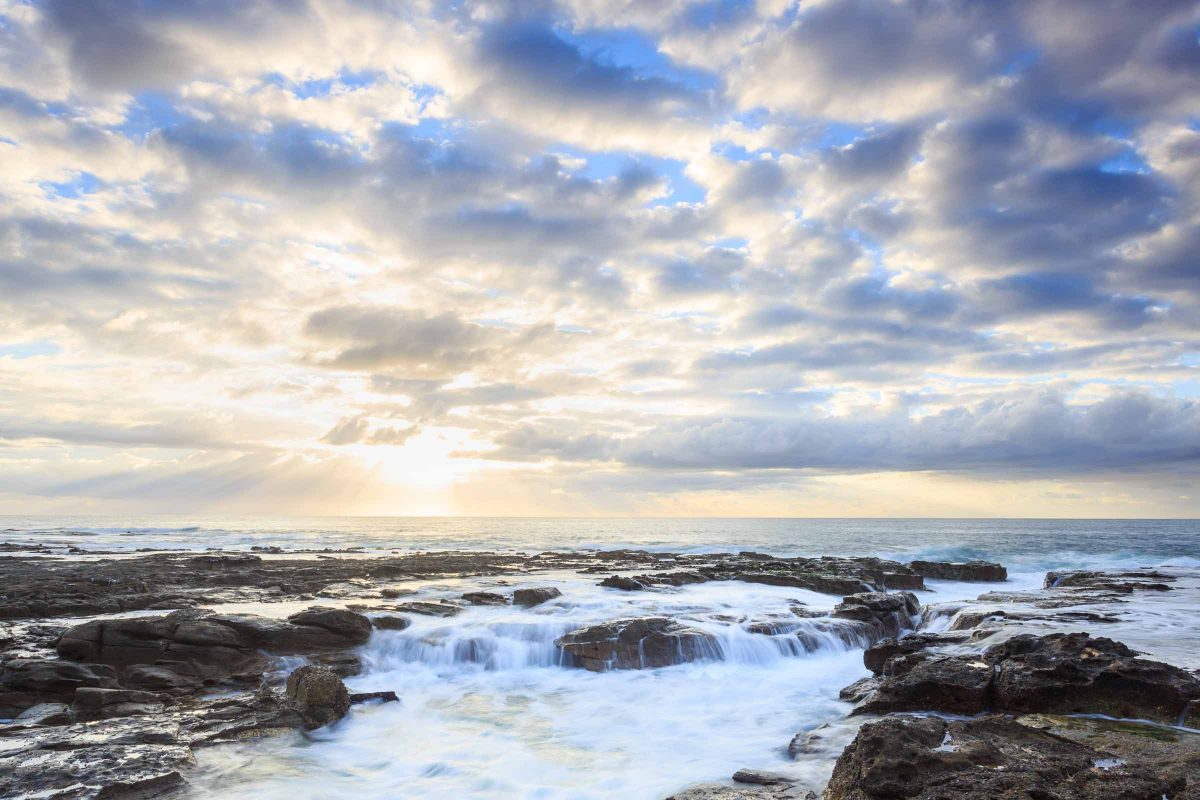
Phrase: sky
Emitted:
{"points": [[600, 257]]}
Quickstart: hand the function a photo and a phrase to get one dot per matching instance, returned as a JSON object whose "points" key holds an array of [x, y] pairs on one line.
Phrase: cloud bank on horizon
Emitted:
{"points": [[827, 257]]}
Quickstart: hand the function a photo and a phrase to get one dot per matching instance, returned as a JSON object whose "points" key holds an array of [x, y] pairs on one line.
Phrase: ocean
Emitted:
{"points": [[488, 711]]}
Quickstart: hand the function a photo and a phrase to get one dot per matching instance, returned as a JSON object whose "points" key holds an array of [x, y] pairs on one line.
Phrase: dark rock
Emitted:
{"points": [[859, 690], [983, 571], [879, 653], [533, 597], [429, 609], [622, 583], [349, 627], [46, 714], [886, 613], [758, 778], [485, 599], [93, 703], [174, 680], [1076, 673], [126, 758], [814, 582], [344, 665], [318, 695], [641, 643], [956, 685], [369, 697], [720, 791], [389, 622], [929, 758], [26, 682], [226, 561]]}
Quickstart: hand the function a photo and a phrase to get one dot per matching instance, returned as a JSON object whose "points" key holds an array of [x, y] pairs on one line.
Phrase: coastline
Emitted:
{"points": [[121, 613]]}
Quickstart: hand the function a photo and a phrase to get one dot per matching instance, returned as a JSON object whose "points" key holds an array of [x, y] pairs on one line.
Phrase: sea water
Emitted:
{"points": [[489, 710]]}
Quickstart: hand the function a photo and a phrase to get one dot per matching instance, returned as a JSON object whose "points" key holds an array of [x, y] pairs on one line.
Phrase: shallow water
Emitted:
{"points": [[488, 710]]}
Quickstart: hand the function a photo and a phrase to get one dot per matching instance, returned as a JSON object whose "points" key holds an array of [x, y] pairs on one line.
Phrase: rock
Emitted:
{"points": [[533, 597], [1056, 673], [344, 665], [230, 719], [174, 680], [928, 758], [859, 690], [225, 561], [92, 703], [641, 643], [762, 778], [430, 609], [350, 627], [887, 613], [982, 571], [622, 583], [485, 599], [369, 697], [45, 714], [389, 622], [955, 685], [26, 682], [720, 791], [814, 582], [124, 758], [878, 654], [1076, 673], [318, 695]]}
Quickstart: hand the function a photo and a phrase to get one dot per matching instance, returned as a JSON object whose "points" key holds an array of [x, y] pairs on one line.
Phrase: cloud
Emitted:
{"points": [[720, 250]]}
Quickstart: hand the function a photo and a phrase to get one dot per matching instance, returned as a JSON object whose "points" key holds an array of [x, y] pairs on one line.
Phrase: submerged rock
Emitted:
{"points": [[929, 758], [641, 643], [485, 599], [622, 583], [430, 609], [318, 695]]}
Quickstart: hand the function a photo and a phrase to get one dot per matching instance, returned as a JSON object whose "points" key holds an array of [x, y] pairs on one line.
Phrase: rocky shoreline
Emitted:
{"points": [[115, 669]]}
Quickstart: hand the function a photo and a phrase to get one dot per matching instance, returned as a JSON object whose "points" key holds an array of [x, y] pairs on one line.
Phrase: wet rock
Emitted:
{"points": [[887, 613], [173, 680], [528, 598], [485, 599], [622, 583], [814, 582], [92, 704], [641, 643], [430, 609], [318, 695], [347, 626], [759, 778], [225, 561], [45, 714], [374, 697], [389, 622], [720, 791], [878, 654], [105, 760], [859, 690], [26, 682], [1076, 673], [930, 758], [955, 685], [344, 665], [230, 719], [983, 571]]}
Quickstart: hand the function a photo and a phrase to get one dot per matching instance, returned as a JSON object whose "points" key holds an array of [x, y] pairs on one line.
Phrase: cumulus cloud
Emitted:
{"points": [[279, 249]]}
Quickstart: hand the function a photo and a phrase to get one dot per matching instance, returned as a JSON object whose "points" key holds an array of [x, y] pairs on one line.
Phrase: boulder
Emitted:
{"points": [[429, 609], [175, 679], [45, 714], [887, 613], [1077, 673], [954, 685], [528, 598], [389, 622], [982, 571], [622, 583], [640, 643], [929, 758], [485, 599], [318, 695], [878, 654]]}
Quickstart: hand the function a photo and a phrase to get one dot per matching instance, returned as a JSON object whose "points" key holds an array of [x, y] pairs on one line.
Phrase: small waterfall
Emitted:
{"points": [[496, 646]]}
